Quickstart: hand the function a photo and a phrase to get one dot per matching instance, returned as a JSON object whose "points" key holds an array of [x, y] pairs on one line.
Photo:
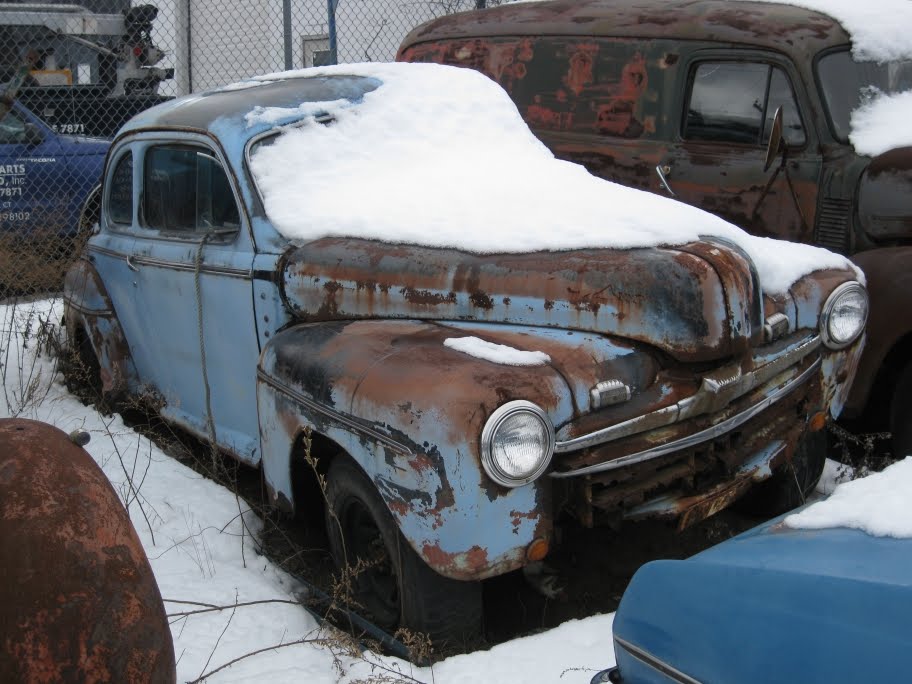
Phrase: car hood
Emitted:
{"points": [[832, 605], [697, 302]]}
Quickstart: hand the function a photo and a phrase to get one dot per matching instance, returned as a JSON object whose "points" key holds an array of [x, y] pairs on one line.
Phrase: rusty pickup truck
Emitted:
{"points": [[297, 269], [680, 97]]}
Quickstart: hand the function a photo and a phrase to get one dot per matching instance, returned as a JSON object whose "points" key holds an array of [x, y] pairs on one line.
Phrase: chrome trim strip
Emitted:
{"points": [[698, 437], [182, 266], [107, 252], [648, 659], [244, 273], [332, 414], [715, 393]]}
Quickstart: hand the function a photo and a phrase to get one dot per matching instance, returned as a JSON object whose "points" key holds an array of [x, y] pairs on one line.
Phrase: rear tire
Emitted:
{"points": [[397, 588], [901, 415], [82, 370], [791, 483]]}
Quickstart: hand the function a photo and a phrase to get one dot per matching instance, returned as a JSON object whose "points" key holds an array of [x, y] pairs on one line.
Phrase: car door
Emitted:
{"points": [[191, 262], [718, 160]]}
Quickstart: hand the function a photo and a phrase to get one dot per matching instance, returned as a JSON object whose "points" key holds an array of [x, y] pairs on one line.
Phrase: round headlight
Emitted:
{"points": [[517, 443], [844, 315]]}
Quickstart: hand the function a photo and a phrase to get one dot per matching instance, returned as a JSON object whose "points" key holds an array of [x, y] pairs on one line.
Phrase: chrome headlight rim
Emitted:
{"points": [[829, 308], [489, 432]]}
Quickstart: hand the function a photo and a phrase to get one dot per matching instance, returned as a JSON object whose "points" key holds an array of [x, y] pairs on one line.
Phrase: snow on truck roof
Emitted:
{"points": [[439, 156], [878, 29]]}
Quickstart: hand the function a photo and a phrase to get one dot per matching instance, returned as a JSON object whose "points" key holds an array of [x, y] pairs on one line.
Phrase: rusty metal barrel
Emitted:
{"points": [[78, 600]]}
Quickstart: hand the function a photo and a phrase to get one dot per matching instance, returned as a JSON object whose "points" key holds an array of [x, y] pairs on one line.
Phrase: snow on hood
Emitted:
{"points": [[877, 504], [439, 156]]}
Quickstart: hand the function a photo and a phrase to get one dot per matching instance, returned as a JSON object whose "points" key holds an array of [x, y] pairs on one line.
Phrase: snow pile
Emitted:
{"points": [[496, 353], [439, 156], [878, 504], [880, 29], [882, 124]]}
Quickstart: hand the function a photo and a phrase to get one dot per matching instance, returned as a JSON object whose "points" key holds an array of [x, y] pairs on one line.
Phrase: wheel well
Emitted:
{"points": [[307, 477], [877, 411]]}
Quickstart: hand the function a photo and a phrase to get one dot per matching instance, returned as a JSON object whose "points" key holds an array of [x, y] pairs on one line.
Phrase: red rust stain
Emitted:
{"points": [[466, 563]]}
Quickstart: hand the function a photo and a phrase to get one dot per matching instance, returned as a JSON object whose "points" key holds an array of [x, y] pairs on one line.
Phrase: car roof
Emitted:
{"points": [[765, 24], [224, 111]]}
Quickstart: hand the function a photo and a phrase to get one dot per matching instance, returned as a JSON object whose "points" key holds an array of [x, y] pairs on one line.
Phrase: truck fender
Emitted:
{"points": [[410, 411], [889, 282]]}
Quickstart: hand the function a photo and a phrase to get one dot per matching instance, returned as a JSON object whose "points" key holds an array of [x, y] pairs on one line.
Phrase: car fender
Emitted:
{"points": [[88, 307], [410, 411]]}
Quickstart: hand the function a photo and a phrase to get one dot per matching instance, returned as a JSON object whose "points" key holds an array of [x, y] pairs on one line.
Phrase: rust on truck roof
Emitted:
{"points": [[763, 24]]}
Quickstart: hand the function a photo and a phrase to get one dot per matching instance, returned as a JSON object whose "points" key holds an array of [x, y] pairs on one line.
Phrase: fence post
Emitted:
{"points": [[331, 11], [286, 26]]}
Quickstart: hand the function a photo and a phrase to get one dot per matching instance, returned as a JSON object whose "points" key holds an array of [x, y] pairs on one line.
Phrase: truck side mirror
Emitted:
{"points": [[776, 145], [33, 134]]}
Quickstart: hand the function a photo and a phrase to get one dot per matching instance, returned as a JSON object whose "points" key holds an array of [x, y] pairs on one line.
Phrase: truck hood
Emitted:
{"points": [[696, 302], [885, 196]]}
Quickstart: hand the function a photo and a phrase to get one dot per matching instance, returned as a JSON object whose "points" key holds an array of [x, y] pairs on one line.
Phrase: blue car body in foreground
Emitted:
{"points": [[774, 604]]}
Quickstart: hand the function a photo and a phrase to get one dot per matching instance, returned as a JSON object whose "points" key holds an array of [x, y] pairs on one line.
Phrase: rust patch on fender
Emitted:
{"points": [[467, 564]]}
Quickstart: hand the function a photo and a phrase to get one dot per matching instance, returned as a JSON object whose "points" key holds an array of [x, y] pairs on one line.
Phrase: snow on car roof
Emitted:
{"points": [[439, 156]]}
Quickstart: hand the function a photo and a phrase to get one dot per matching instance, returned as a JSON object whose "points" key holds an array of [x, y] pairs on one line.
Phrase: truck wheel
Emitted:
{"points": [[901, 414], [394, 585], [790, 484]]}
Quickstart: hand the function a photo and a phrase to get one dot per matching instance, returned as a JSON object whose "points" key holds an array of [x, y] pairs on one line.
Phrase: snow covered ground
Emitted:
{"points": [[201, 552]]}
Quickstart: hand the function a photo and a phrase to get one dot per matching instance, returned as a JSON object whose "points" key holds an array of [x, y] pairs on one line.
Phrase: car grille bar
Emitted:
{"points": [[697, 405]]}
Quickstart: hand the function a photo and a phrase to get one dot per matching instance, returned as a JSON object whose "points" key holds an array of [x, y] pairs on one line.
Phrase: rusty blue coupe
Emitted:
{"points": [[673, 384]]}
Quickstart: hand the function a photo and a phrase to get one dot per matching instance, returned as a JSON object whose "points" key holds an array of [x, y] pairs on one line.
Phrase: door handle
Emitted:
{"points": [[130, 263], [663, 171]]}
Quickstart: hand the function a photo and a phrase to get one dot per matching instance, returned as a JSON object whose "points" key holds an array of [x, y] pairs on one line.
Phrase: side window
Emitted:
{"points": [[120, 196], [735, 102], [186, 190], [12, 129]]}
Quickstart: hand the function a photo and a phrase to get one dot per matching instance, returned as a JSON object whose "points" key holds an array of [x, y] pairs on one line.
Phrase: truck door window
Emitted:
{"points": [[735, 102], [120, 196], [12, 130], [186, 191]]}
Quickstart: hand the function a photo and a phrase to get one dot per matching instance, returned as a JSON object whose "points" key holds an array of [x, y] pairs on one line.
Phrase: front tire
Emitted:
{"points": [[394, 585]]}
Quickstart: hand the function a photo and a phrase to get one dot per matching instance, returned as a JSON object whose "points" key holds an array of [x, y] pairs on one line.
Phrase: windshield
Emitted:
{"points": [[847, 84]]}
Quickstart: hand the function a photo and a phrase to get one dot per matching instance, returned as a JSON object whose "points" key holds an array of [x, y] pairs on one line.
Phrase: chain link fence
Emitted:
{"points": [[72, 74]]}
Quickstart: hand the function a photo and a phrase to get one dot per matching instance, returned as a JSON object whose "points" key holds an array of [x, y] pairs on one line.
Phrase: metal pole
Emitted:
{"points": [[286, 22], [331, 11]]}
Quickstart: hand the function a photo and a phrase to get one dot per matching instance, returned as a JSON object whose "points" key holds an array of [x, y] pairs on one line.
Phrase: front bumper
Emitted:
{"points": [[693, 457]]}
